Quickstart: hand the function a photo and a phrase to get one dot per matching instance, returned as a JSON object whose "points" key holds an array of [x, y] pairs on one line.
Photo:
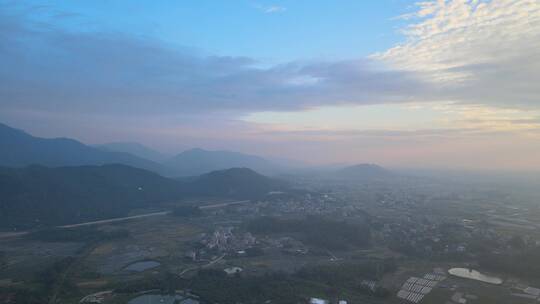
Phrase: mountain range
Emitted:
{"points": [[22, 149], [134, 149], [59, 181], [198, 161]]}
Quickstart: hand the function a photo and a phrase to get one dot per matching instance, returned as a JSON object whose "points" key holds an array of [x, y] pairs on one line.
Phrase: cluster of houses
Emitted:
{"points": [[309, 204], [222, 240], [231, 241]]}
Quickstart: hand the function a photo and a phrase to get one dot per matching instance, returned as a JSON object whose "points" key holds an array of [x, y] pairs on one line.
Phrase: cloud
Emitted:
{"points": [[473, 52], [479, 61], [407, 135], [49, 68], [274, 9], [270, 9], [485, 52]]}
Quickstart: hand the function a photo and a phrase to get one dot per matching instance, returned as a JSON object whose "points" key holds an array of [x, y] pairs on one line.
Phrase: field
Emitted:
{"points": [[284, 256]]}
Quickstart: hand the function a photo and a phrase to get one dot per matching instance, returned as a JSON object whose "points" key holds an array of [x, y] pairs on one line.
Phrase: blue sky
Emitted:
{"points": [[296, 30], [429, 84]]}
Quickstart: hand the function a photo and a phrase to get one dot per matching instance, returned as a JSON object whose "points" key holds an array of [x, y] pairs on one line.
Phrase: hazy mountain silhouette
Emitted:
{"points": [[199, 161], [21, 149], [135, 149]]}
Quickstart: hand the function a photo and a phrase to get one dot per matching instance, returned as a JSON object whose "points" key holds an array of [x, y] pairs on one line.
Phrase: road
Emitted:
{"points": [[223, 204], [203, 266], [119, 219], [5, 235]]}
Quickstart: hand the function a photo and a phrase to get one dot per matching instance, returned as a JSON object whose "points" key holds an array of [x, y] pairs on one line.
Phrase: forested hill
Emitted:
{"points": [[37, 195], [199, 161], [40, 196], [235, 182]]}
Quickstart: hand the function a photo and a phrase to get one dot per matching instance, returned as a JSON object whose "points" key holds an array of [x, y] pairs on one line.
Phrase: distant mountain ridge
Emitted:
{"points": [[135, 149], [198, 161], [21, 149]]}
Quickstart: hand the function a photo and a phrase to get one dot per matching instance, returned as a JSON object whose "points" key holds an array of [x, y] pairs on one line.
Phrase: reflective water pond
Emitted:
{"points": [[142, 266], [162, 299], [474, 275]]}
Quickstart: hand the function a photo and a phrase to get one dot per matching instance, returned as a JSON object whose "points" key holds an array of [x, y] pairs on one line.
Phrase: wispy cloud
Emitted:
{"points": [[274, 9], [270, 9], [478, 60], [477, 51], [337, 135], [48, 68]]}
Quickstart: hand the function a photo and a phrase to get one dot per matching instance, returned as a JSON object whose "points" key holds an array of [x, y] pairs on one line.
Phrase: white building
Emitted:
{"points": [[232, 270], [318, 301]]}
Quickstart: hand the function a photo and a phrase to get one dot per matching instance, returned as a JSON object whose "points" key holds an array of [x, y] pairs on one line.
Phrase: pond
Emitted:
{"points": [[162, 299], [142, 266], [474, 275]]}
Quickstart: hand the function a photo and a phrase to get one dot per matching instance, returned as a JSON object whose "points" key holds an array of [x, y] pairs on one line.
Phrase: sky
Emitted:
{"points": [[432, 84]]}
